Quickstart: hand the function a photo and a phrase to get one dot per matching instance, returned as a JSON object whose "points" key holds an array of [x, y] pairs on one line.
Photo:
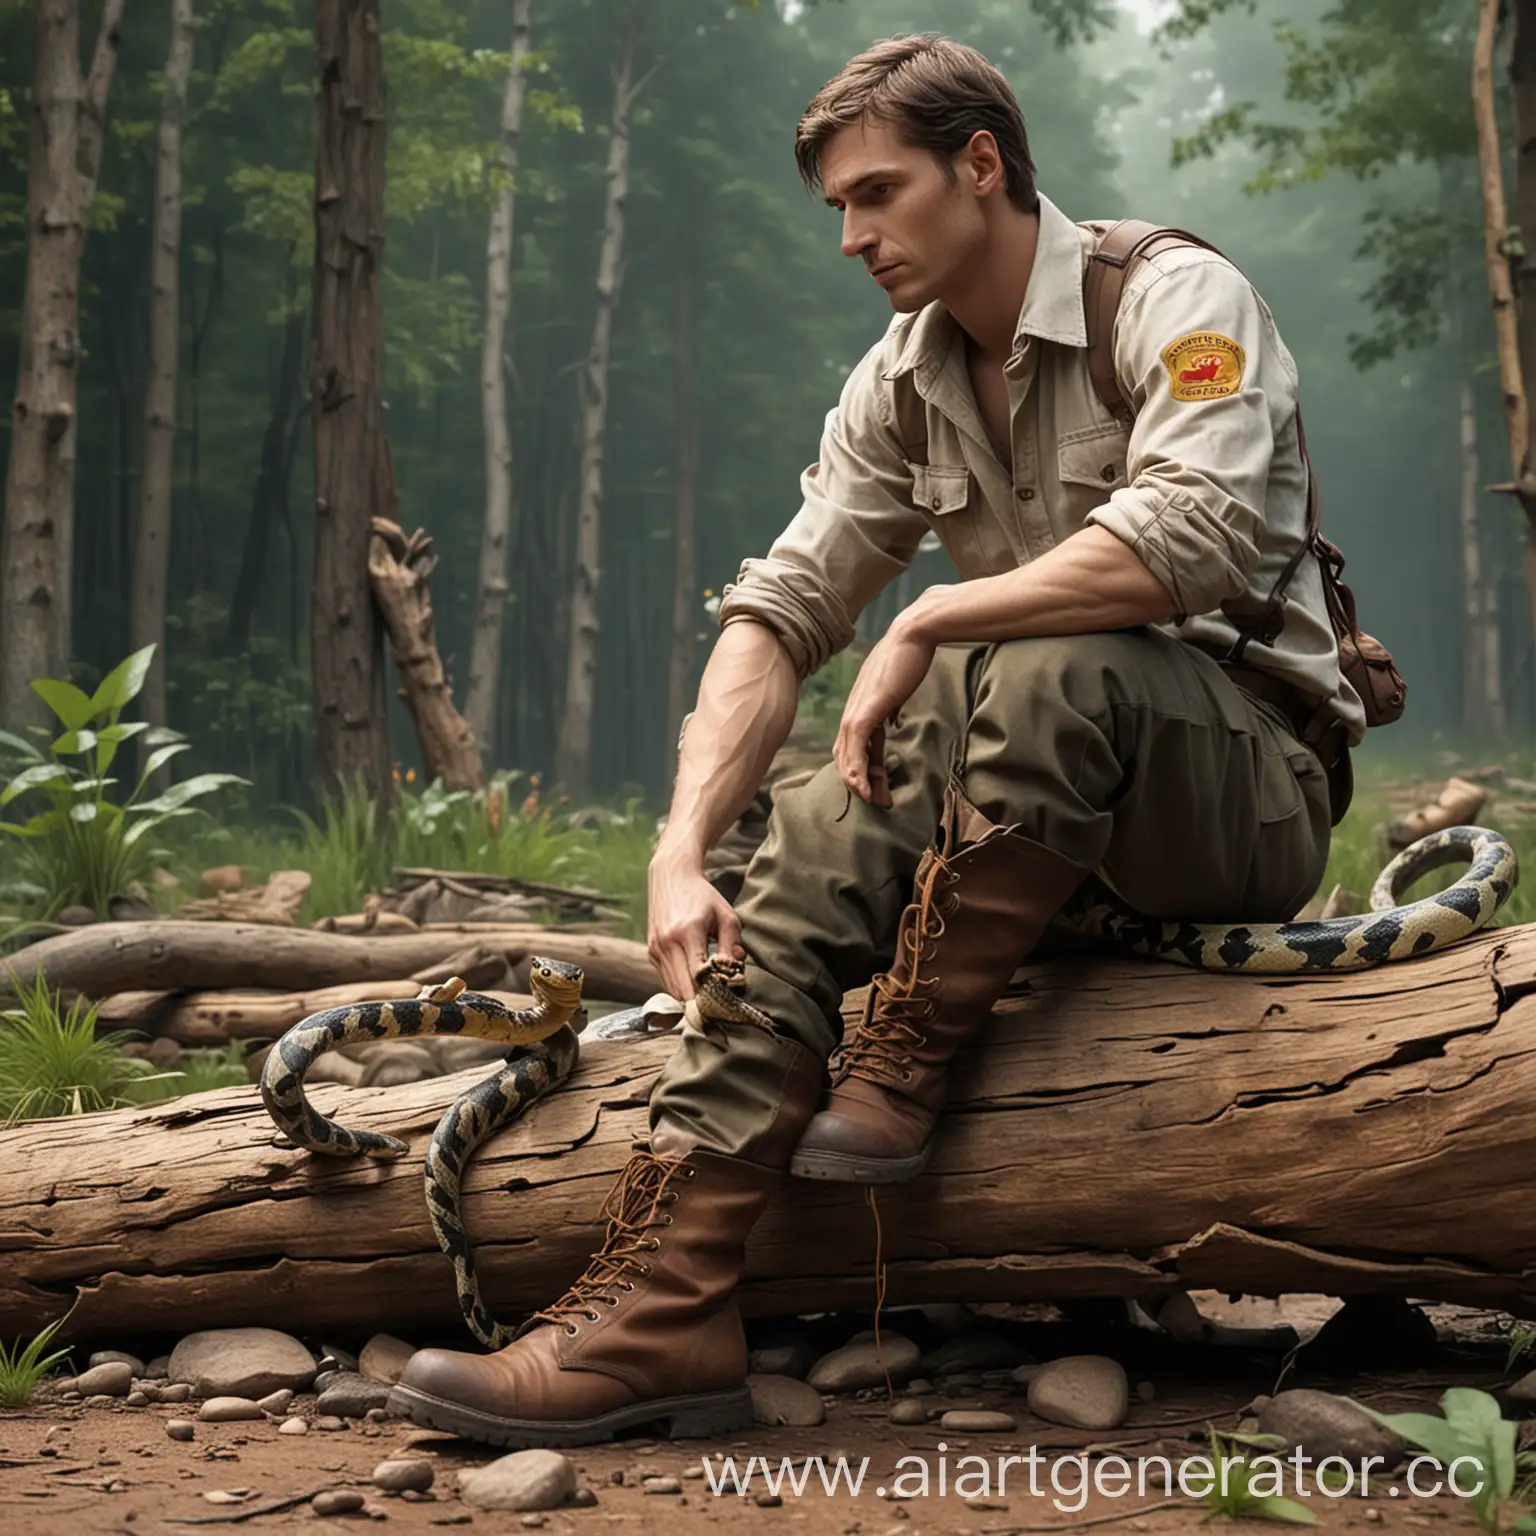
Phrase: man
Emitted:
{"points": [[1059, 711]]}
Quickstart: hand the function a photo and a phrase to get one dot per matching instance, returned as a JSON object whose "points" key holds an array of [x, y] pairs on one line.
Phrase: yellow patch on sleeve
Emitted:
{"points": [[1203, 366]]}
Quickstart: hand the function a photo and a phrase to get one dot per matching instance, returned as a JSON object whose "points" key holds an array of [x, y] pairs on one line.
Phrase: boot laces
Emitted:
{"points": [[902, 998], [633, 1208]]}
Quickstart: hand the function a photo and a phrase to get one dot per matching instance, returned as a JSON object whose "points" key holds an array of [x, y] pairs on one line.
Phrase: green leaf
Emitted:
{"points": [[72, 706], [149, 823], [157, 760], [189, 789], [74, 741], [83, 811], [1426, 1430], [16, 744], [1274, 1507], [122, 682], [33, 778]]}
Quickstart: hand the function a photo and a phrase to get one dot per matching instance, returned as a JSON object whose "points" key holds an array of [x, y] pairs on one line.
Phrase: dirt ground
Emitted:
{"points": [[80, 1471]]}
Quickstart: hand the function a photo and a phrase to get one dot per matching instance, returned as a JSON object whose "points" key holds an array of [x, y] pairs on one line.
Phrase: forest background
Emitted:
{"points": [[1328, 148]]}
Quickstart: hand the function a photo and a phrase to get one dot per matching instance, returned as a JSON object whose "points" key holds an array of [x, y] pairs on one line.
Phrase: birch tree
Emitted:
{"points": [[573, 751], [495, 539], [153, 532], [66, 122]]}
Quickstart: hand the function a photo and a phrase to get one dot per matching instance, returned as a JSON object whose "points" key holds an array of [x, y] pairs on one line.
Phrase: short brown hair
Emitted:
{"points": [[936, 94]]}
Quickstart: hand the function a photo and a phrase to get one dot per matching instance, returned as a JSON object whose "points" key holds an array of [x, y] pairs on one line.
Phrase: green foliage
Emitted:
{"points": [[1233, 1493], [53, 1062], [23, 1365], [84, 849], [196, 1072]]}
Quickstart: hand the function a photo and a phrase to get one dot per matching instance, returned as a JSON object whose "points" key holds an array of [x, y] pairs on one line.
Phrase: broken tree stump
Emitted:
{"points": [[1125, 1128]]}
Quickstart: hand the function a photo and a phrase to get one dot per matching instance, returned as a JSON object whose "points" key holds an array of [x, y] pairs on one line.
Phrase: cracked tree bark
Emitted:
{"points": [[1127, 1128]]}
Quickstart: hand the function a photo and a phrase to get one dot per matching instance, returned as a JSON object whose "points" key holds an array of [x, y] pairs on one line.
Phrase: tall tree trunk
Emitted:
{"points": [[347, 637], [65, 127], [1483, 711], [151, 554], [684, 575], [573, 752], [269, 499], [485, 649]]}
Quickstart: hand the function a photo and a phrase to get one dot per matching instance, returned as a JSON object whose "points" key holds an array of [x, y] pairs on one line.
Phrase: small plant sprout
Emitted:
{"points": [[23, 1365], [1244, 1489]]}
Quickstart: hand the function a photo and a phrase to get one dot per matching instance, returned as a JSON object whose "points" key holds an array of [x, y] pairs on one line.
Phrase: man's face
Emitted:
{"points": [[913, 227]]}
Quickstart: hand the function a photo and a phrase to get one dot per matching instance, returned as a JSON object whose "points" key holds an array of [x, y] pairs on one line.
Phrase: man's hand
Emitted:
{"points": [[889, 677], [686, 911]]}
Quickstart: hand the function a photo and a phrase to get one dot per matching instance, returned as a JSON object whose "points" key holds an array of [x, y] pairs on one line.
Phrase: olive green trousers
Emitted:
{"points": [[1129, 753]]}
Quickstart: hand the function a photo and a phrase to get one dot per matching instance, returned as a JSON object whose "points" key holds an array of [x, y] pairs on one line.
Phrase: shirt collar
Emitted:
{"points": [[1052, 309]]}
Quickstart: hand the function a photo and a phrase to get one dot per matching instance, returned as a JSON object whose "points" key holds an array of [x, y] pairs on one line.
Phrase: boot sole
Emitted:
{"points": [[852, 1168], [700, 1416]]}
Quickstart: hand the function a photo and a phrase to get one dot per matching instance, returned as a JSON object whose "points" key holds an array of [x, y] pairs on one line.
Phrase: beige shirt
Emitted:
{"points": [[1207, 485]]}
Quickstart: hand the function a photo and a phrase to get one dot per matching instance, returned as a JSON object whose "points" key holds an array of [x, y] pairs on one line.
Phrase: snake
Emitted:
{"points": [[546, 1048]]}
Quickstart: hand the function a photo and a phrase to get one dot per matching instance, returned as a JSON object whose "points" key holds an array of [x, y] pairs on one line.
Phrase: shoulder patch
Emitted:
{"points": [[1203, 366]]}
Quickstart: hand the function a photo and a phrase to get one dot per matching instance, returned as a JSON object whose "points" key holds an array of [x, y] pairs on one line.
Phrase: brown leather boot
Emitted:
{"points": [[648, 1334], [981, 900]]}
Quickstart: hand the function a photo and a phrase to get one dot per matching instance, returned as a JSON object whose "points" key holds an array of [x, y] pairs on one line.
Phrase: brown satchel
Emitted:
{"points": [[1365, 662]]}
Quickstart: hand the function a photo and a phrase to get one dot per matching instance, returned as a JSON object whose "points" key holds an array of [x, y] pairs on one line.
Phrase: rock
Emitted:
{"points": [[158, 1369], [176, 1392], [101, 1400], [783, 1400], [330, 1423], [334, 1358], [293, 1426], [403, 1476], [863, 1364], [351, 1395], [791, 1356], [385, 1358], [149, 1390], [116, 1357], [919, 1386], [324, 1378], [1145, 1392], [1522, 1391], [661, 1485], [959, 1381], [1372, 1333], [908, 1411], [523, 1480], [977, 1421], [1084, 1391], [337, 1501], [74, 917], [242, 1362], [228, 1410], [137, 1400], [164, 1054], [276, 1402], [1024, 1374], [974, 1349], [114, 1379], [951, 1316], [1319, 1424], [179, 1429], [226, 877]]}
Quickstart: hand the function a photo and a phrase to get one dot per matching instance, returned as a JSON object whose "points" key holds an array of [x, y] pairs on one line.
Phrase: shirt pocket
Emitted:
{"points": [[939, 489], [1094, 456]]}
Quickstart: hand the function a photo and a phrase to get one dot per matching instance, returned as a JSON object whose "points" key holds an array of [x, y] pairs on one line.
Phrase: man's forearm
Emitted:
{"points": [[1092, 581], [746, 707]]}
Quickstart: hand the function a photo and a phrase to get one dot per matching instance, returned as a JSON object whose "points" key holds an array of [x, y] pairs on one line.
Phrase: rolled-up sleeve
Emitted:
{"points": [[1200, 449], [856, 530]]}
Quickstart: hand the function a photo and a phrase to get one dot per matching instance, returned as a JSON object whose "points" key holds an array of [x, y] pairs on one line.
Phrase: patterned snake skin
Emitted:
{"points": [[548, 1047]]}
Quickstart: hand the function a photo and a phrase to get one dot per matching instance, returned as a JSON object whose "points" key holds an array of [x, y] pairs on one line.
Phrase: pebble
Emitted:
{"points": [[150, 1389], [584, 1498], [532, 1480], [768, 1501], [413, 1475], [978, 1421], [335, 1358], [228, 1410], [337, 1501], [293, 1426], [378, 1415], [137, 1400], [1320, 1424], [350, 1396], [329, 1422], [178, 1392], [276, 1402], [974, 1349], [101, 1400], [919, 1386], [863, 1364], [784, 1400], [531, 1522], [384, 1358], [180, 1429], [792, 1356], [242, 1362], [114, 1378], [1145, 1392], [158, 1369], [1083, 1391], [116, 1357], [908, 1411], [662, 1485]]}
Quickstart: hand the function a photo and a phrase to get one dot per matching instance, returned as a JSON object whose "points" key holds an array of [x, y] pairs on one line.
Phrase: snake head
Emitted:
{"points": [[722, 970], [556, 982]]}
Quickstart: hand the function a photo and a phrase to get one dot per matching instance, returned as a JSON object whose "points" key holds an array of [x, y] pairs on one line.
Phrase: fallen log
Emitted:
{"points": [[1125, 1128], [169, 954]]}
